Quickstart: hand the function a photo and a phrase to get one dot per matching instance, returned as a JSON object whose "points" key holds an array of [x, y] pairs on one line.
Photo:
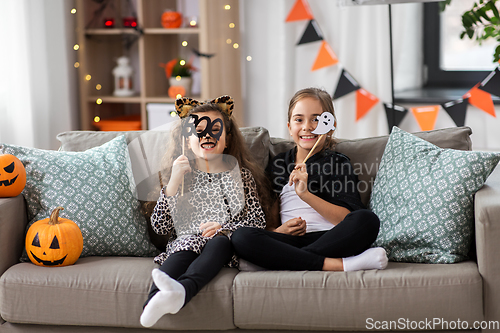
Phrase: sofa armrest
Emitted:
{"points": [[487, 220], [13, 222]]}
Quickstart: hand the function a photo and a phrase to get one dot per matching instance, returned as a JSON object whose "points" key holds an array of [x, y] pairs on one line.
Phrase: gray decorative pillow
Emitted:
{"points": [[96, 189], [423, 196]]}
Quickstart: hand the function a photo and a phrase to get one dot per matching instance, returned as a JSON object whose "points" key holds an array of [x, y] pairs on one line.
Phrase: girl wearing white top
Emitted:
{"points": [[323, 225]]}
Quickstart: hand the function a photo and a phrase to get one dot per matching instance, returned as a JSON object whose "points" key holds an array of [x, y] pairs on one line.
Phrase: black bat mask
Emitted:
{"points": [[189, 127]]}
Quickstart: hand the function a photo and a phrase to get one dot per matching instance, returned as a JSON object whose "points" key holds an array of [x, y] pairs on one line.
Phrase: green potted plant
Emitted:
{"points": [[178, 73], [481, 22]]}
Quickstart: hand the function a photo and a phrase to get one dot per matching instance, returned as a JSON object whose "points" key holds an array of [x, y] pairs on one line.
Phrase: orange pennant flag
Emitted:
{"points": [[426, 116], [300, 11], [481, 99], [326, 57], [364, 102]]}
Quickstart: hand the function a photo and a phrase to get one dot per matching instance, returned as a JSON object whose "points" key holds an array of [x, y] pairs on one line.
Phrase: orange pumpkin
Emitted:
{"points": [[175, 91], [171, 19], [54, 241], [12, 176]]}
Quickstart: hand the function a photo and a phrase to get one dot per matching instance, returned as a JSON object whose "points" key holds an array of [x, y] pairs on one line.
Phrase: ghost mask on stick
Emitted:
{"points": [[326, 123]]}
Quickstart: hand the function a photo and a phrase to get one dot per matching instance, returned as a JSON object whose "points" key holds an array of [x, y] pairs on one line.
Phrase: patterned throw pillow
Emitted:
{"points": [[423, 196], [96, 190]]}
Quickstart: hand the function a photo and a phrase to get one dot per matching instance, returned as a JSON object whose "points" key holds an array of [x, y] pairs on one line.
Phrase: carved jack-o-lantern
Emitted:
{"points": [[171, 19], [54, 241], [12, 176]]}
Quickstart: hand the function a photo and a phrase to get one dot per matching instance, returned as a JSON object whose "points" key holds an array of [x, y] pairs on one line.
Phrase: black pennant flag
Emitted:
{"points": [[395, 114], [457, 110], [311, 34], [346, 85], [491, 84]]}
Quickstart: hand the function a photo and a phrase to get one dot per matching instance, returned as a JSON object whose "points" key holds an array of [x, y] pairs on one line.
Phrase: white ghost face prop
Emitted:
{"points": [[326, 123]]}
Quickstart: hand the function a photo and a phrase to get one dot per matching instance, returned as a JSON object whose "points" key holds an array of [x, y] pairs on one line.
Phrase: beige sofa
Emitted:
{"points": [[105, 294]]}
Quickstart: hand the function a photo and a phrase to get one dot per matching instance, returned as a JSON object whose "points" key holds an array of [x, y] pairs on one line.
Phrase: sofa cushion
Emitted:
{"points": [[96, 189], [424, 198], [347, 300], [106, 291]]}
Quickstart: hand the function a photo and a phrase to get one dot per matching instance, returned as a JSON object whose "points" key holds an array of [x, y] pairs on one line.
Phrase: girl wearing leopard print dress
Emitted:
{"points": [[213, 188], [323, 224]]}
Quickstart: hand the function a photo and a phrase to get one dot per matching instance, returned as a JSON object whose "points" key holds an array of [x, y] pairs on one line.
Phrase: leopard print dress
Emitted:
{"points": [[229, 198]]}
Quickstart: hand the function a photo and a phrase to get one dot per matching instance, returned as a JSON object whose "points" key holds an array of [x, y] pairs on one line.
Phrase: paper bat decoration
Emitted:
{"points": [[206, 55]]}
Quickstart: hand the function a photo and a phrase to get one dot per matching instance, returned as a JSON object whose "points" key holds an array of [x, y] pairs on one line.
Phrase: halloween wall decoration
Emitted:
{"points": [[54, 241], [12, 176], [478, 96]]}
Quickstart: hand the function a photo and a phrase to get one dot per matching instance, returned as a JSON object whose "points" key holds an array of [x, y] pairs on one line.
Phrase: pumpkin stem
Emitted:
{"points": [[54, 216]]}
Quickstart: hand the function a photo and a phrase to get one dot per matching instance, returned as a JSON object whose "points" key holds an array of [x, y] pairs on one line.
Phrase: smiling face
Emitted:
{"points": [[303, 121], [212, 142]]}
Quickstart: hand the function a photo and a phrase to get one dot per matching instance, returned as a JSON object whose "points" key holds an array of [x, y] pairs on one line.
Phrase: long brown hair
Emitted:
{"points": [[236, 147], [326, 102]]}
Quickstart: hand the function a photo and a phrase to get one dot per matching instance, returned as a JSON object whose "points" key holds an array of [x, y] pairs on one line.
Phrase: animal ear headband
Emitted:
{"points": [[185, 104]]}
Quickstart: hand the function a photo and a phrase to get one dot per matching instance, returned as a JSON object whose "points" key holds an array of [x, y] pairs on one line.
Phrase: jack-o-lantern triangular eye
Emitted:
{"points": [[55, 243], [9, 168], [36, 241]]}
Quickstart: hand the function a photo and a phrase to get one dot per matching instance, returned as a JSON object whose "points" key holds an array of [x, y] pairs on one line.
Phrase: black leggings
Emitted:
{"points": [[193, 270], [276, 251]]}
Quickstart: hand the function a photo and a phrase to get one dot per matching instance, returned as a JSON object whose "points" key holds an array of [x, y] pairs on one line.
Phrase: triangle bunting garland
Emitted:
{"points": [[426, 116], [481, 99], [346, 85], [364, 102], [326, 57], [311, 34], [491, 84], [395, 114], [300, 11], [457, 110]]}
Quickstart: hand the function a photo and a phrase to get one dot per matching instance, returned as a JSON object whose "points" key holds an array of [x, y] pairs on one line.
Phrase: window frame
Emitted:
{"points": [[434, 75]]}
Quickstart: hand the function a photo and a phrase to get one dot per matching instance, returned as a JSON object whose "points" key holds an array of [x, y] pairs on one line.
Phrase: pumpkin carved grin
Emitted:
{"points": [[8, 182], [47, 262], [12, 176], [54, 241]]}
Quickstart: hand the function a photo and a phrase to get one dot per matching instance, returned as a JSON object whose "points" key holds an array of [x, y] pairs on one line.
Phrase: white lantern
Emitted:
{"points": [[123, 77]]}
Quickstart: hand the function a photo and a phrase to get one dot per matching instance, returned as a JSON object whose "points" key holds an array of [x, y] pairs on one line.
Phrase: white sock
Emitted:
{"points": [[373, 258], [169, 299]]}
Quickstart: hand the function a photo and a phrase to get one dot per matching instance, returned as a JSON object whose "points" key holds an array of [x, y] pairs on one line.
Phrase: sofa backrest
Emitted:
{"points": [[147, 148], [365, 154]]}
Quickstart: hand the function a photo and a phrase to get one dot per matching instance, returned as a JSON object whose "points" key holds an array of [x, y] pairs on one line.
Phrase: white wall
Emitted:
{"points": [[359, 36]]}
